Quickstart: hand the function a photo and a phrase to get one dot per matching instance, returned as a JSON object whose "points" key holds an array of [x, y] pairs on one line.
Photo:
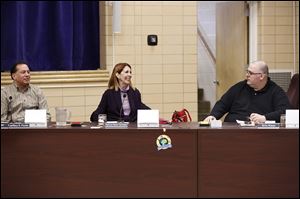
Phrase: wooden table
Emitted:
{"points": [[203, 162]]}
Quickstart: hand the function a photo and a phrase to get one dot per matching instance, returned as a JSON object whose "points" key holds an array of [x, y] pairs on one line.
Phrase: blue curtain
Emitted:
{"points": [[50, 35]]}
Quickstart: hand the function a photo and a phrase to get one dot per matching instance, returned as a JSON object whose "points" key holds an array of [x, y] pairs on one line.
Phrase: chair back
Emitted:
{"points": [[293, 91]]}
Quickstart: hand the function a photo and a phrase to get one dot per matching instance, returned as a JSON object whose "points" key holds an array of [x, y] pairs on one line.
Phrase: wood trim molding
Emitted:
{"points": [[62, 77]]}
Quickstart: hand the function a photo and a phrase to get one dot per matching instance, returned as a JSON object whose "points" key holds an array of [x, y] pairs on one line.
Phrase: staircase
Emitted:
{"points": [[203, 106]]}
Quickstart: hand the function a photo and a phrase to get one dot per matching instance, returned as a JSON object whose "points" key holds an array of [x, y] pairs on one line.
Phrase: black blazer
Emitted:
{"points": [[111, 105]]}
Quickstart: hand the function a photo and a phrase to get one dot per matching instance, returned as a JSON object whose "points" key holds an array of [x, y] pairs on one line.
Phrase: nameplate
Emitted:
{"points": [[148, 118], [292, 118], [14, 125], [37, 125], [115, 124], [36, 117], [268, 125], [145, 125], [4, 124]]}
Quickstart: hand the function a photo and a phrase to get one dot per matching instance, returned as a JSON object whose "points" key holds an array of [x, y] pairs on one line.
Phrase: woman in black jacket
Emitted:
{"points": [[121, 100]]}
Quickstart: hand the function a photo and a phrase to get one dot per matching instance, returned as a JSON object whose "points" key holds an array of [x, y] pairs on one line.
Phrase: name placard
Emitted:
{"points": [[116, 124], [36, 117], [14, 125], [292, 118], [148, 118], [268, 125]]}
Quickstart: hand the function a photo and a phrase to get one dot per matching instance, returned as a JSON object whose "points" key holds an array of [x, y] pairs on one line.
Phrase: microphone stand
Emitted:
{"points": [[120, 115]]}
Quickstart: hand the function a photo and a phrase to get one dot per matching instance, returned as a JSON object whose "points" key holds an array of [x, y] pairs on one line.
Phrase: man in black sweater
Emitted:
{"points": [[257, 98]]}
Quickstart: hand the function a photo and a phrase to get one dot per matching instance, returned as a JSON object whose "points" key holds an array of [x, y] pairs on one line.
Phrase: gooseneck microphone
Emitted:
{"points": [[121, 109]]}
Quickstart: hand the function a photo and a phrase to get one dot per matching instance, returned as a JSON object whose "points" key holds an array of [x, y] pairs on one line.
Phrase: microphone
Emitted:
{"points": [[9, 104], [120, 115]]}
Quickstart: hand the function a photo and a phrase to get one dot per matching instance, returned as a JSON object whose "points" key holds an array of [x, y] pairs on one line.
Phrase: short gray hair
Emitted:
{"points": [[262, 66]]}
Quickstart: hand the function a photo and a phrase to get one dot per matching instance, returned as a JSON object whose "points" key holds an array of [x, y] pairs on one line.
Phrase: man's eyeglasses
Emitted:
{"points": [[248, 72]]}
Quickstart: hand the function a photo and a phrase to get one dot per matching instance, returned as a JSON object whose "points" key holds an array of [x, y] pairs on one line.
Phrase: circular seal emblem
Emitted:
{"points": [[163, 142]]}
